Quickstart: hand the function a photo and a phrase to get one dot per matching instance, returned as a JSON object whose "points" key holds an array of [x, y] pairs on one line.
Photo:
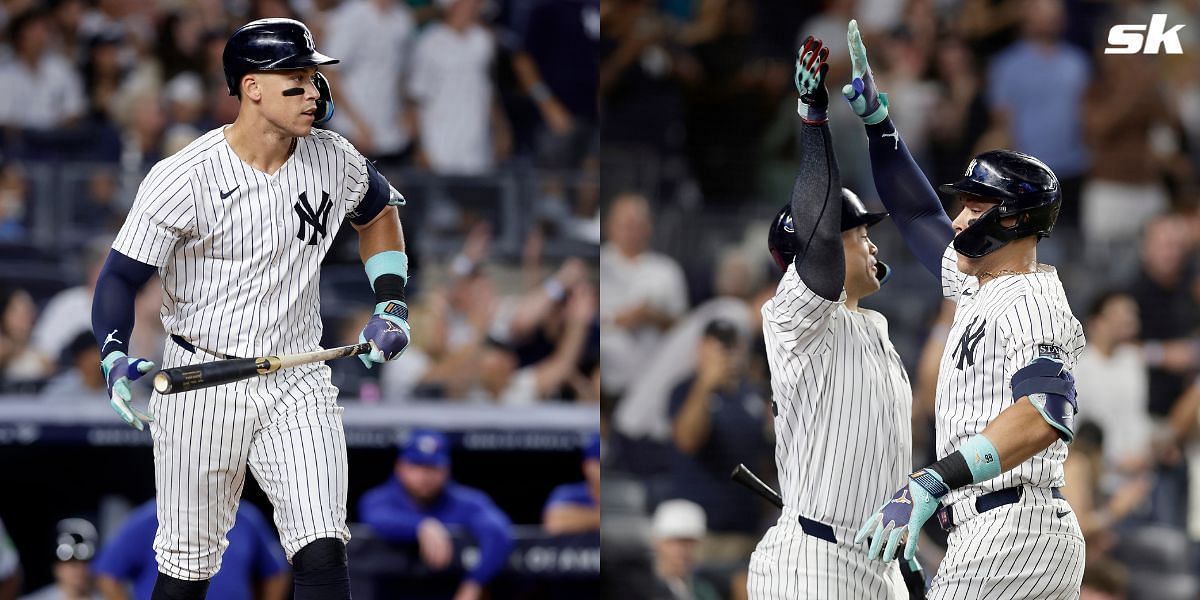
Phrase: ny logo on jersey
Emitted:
{"points": [[316, 218], [966, 344]]}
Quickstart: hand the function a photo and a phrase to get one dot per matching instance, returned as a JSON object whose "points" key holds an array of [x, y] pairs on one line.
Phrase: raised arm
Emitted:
{"points": [[817, 193], [911, 201]]}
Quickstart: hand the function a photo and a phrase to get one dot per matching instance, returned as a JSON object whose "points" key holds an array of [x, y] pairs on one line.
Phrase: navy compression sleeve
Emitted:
{"points": [[911, 201], [817, 214], [112, 306]]}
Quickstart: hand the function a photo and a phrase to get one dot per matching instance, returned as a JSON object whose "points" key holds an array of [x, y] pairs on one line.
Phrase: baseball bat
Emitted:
{"points": [[743, 476], [218, 372]]}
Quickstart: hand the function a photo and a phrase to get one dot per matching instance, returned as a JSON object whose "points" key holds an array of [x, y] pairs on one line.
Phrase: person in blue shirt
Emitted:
{"points": [[254, 559], [575, 507], [420, 502]]}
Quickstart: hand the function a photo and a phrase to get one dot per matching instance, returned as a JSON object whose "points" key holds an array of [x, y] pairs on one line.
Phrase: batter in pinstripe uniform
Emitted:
{"points": [[841, 399], [1005, 398], [236, 224]]}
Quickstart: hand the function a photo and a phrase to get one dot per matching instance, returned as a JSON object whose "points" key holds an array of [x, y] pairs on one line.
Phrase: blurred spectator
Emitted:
{"points": [[1025, 117], [69, 312], [646, 293], [143, 121], [184, 95], [990, 25], [14, 203], [81, 381], [637, 79], [1111, 378], [557, 67], [961, 108], [10, 567], [740, 293], [1100, 513], [1168, 309], [42, 88], [500, 379], [373, 39], [68, 17], [1104, 579], [678, 527], [253, 565], [103, 75], [180, 43], [20, 362], [421, 504], [99, 211], [719, 420], [462, 130], [575, 507], [1123, 190], [75, 546]]}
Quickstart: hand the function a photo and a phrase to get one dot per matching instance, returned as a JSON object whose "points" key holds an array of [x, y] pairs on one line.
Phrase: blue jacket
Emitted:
{"points": [[253, 554], [392, 513]]}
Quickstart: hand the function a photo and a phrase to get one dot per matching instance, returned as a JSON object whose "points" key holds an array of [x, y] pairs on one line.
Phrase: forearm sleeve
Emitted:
{"points": [[911, 201], [817, 214], [112, 305]]}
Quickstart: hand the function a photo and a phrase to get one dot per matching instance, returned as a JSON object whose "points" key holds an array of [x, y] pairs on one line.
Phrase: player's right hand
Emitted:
{"points": [[865, 99], [811, 68], [434, 543], [119, 370]]}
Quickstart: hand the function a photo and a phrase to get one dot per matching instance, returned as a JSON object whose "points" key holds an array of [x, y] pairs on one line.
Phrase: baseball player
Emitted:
{"points": [[1005, 399], [236, 225], [843, 434]]}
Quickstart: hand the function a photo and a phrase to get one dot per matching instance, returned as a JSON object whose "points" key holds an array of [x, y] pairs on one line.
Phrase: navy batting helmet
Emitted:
{"points": [[275, 45], [782, 242], [1022, 187]]}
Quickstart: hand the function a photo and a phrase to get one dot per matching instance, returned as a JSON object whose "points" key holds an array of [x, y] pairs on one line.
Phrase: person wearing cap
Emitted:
{"points": [[74, 548], [679, 526], [253, 561], [420, 503], [575, 507], [718, 420]]}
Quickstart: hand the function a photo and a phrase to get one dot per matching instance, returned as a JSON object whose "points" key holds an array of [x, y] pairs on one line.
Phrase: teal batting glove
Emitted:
{"points": [[119, 370], [903, 515], [865, 99]]}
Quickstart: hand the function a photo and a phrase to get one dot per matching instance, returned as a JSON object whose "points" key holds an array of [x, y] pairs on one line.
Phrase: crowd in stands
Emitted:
{"points": [[704, 91]]}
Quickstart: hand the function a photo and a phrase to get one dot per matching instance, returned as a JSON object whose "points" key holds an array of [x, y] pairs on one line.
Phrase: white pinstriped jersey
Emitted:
{"points": [[843, 406], [239, 251], [998, 329]]}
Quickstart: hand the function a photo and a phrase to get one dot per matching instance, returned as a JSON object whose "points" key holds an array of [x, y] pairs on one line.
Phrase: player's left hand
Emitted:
{"points": [[865, 99], [387, 331], [901, 518], [119, 370]]}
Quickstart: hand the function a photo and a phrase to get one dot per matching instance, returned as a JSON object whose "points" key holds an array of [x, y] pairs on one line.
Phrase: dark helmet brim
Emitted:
{"points": [[971, 187], [300, 61], [868, 219]]}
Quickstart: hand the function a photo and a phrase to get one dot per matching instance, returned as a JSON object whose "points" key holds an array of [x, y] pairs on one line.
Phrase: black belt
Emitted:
{"points": [[986, 502], [817, 529], [190, 347]]}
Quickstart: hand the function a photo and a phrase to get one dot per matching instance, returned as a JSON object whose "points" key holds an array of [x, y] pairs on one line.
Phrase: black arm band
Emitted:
{"points": [[954, 470], [389, 286]]}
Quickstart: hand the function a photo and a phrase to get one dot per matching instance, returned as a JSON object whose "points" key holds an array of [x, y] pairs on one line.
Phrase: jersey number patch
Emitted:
{"points": [[315, 218]]}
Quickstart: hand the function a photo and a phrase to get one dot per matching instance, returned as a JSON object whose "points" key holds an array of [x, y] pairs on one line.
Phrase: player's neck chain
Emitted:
{"points": [[989, 275]]}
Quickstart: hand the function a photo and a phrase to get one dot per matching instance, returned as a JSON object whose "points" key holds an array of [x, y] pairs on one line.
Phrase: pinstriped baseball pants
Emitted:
{"points": [[1031, 549], [286, 427], [791, 565]]}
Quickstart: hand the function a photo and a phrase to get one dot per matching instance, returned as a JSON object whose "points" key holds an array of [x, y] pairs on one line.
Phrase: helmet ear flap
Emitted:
{"points": [[325, 102]]}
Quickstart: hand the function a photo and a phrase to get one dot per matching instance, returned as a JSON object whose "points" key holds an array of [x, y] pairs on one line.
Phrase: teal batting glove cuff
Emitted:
{"points": [[982, 458], [389, 262], [118, 371]]}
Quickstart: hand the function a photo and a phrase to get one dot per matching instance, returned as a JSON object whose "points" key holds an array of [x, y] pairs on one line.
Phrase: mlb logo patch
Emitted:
{"points": [[1050, 351]]}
